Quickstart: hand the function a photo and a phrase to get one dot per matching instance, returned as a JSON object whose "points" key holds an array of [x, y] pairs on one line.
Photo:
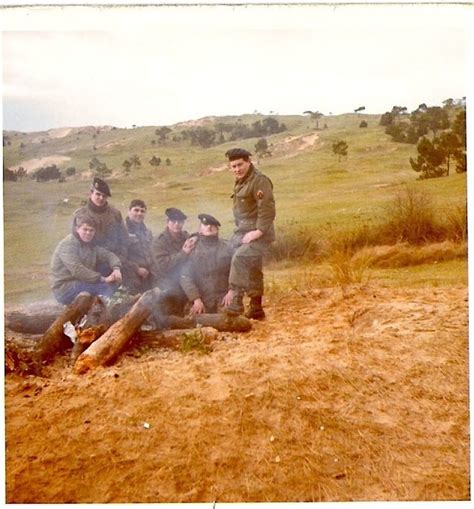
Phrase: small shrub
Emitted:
{"points": [[297, 244], [456, 224], [194, 341], [347, 270], [411, 218], [363, 124]]}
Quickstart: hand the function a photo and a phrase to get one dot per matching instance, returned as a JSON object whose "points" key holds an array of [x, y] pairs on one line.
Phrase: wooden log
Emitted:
{"points": [[54, 340], [218, 321], [33, 318], [113, 341]]}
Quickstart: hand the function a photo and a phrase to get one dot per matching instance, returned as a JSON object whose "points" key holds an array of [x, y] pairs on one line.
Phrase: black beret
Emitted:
{"points": [[137, 203], [100, 185], [237, 153], [208, 219], [175, 214]]}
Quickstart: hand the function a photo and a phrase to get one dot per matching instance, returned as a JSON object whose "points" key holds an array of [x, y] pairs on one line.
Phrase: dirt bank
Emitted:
{"points": [[332, 398]]}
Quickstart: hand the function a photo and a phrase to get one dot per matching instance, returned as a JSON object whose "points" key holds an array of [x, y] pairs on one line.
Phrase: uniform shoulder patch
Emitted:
{"points": [[260, 194]]}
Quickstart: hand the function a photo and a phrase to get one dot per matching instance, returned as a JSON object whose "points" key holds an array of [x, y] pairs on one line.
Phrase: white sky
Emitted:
{"points": [[161, 65]]}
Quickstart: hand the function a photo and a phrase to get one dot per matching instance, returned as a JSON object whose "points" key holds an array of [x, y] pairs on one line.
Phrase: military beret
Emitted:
{"points": [[175, 214], [100, 185], [137, 203], [237, 153], [208, 219]]}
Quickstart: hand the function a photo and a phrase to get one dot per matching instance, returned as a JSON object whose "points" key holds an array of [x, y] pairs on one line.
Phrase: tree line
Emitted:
{"points": [[439, 132]]}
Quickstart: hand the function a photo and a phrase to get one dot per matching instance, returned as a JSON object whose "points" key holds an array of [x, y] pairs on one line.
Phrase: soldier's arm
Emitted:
{"points": [[69, 256], [188, 282], [263, 194], [112, 260], [165, 261]]}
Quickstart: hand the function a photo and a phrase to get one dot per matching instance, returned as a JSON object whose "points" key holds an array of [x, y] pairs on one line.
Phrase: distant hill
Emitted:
{"points": [[312, 187]]}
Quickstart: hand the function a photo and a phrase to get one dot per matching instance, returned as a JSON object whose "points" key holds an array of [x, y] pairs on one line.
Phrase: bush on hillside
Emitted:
{"points": [[295, 244], [47, 173]]}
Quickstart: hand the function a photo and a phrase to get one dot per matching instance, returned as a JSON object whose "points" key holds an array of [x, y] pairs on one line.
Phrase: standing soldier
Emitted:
{"points": [[205, 277], [138, 268], [171, 250], [110, 231], [254, 213]]}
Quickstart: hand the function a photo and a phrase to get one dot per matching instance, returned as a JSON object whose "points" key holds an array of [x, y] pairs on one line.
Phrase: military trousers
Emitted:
{"points": [[246, 270]]}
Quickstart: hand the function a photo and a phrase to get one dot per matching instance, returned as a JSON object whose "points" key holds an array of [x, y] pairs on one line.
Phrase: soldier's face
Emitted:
{"points": [[175, 226], [137, 214], [86, 232], [239, 167], [208, 230], [98, 199]]}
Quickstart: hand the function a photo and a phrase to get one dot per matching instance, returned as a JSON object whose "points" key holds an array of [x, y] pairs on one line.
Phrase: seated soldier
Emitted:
{"points": [[138, 268], [74, 264], [171, 250], [205, 276], [110, 229]]}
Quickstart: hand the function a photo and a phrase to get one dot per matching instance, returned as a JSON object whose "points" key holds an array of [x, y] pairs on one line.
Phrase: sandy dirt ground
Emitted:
{"points": [[334, 397], [31, 165], [289, 147]]}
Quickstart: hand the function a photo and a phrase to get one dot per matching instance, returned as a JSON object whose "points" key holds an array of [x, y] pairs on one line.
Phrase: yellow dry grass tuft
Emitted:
{"points": [[404, 254]]}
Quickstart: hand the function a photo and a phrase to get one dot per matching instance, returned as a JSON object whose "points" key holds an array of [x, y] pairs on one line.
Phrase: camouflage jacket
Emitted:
{"points": [[205, 275], [254, 205], [169, 258], [110, 232], [74, 260]]}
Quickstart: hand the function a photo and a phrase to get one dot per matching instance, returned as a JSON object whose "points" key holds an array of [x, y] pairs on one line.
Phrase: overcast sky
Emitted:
{"points": [[161, 65]]}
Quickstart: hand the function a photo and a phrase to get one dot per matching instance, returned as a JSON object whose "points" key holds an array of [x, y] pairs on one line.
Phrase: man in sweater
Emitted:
{"points": [[75, 261]]}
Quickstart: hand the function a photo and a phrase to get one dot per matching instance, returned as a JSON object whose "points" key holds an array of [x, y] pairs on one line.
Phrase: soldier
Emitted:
{"points": [[75, 261], [110, 231], [205, 276], [171, 250], [254, 213], [138, 268]]}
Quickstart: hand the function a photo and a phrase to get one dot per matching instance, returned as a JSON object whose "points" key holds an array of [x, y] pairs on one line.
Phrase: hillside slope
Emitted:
{"points": [[312, 188]]}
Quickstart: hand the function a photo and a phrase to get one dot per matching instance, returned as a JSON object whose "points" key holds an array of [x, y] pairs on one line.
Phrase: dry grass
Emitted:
{"points": [[363, 398], [404, 254]]}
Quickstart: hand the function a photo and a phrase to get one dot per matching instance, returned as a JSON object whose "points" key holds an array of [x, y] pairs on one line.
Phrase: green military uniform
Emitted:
{"points": [[110, 231], [139, 254], [206, 274], [169, 260], [75, 261], [254, 208]]}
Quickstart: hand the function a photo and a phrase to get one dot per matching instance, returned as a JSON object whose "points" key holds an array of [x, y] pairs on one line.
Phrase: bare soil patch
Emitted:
{"points": [[361, 396], [33, 164], [289, 147]]}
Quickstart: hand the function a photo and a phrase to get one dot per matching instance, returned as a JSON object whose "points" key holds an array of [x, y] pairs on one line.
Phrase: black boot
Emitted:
{"points": [[255, 310], [236, 307]]}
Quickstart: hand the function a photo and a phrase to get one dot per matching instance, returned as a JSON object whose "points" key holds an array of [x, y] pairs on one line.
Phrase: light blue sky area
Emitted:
{"points": [[161, 65]]}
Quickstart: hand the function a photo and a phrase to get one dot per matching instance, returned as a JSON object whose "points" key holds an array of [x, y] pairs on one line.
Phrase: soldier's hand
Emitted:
{"points": [[198, 307], [227, 300], [142, 272], [114, 277], [251, 236], [189, 244]]}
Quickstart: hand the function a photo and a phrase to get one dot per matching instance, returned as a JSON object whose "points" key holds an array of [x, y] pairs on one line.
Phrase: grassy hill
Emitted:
{"points": [[315, 193]]}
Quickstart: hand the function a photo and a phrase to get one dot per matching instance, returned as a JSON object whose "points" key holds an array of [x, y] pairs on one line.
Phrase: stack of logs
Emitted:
{"points": [[106, 336]]}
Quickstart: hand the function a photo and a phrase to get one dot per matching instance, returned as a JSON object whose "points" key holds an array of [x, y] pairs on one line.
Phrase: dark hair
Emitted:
{"points": [[238, 153], [137, 203], [85, 218]]}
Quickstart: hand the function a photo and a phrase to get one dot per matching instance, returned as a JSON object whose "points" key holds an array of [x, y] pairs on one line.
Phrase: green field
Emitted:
{"points": [[313, 191]]}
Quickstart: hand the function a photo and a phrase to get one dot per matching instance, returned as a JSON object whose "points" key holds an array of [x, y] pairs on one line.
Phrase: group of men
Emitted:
{"points": [[199, 272]]}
